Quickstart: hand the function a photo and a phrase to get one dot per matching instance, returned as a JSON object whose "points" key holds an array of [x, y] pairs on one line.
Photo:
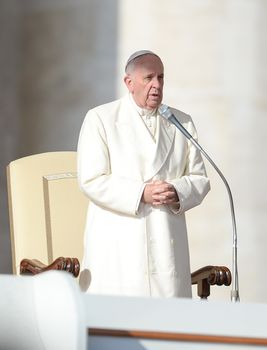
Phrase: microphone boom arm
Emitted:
{"points": [[166, 113]]}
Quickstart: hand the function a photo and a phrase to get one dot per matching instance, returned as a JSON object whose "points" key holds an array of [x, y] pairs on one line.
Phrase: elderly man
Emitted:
{"points": [[141, 176]]}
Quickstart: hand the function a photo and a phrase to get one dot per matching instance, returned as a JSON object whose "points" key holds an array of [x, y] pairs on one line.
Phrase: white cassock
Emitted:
{"points": [[132, 248]]}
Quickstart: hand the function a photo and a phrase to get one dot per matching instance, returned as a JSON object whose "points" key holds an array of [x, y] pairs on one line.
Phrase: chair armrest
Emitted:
{"points": [[210, 275], [33, 267], [204, 277]]}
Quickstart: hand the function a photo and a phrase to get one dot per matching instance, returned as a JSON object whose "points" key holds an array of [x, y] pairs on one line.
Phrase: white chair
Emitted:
{"points": [[41, 312], [47, 210]]}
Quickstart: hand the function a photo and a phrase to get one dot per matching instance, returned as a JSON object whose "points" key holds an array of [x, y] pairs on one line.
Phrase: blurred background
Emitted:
{"points": [[59, 58]]}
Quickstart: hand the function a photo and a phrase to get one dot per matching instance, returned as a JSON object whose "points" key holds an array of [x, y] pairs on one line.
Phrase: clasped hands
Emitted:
{"points": [[159, 193]]}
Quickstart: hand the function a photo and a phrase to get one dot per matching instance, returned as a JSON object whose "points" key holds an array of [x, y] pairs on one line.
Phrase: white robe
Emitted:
{"points": [[132, 248]]}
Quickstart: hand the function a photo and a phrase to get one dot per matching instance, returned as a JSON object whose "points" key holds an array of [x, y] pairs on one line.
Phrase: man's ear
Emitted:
{"points": [[128, 82]]}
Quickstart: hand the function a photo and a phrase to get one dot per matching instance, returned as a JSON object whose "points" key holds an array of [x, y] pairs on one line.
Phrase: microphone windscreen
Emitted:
{"points": [[165, 111]]}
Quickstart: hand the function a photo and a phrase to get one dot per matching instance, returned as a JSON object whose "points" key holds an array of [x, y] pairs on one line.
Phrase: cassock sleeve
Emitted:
{"points": [[95, 177]]}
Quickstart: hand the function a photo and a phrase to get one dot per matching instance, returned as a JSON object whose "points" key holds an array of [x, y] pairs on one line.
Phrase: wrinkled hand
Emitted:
{"points": [[159, 193]]}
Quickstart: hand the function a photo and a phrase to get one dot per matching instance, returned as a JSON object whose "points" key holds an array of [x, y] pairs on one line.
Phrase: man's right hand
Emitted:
{"points": [[159, 193]]}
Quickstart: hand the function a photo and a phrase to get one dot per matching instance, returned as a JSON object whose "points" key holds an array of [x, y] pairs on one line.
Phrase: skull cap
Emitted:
{"points": [[138, 54]]}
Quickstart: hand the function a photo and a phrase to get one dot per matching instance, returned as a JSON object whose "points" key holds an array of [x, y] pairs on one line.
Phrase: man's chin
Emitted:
{"points": [[153, 104]]}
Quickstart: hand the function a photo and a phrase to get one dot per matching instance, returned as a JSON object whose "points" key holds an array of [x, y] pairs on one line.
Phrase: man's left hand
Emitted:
{"points": [[164, 193]]}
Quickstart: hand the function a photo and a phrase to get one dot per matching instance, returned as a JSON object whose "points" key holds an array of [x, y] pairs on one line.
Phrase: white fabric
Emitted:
{"points": [[41, 312], [151, 123], [132, 248], [149, 117]]}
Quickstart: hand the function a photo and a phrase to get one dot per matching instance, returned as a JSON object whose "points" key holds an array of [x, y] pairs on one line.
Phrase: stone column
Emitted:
{"points": [[59, 60], [68, 66], [9, 112]]}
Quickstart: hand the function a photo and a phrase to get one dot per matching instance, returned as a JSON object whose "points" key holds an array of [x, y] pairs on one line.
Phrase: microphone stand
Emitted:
{"points": [[166, 113]]}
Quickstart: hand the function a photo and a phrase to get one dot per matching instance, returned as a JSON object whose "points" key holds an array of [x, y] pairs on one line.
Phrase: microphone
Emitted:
{"points": [[167, 114]]}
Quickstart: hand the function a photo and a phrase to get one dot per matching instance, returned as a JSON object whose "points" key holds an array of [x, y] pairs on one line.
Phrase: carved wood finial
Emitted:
{"points": [[33, 266], [210, 275]]}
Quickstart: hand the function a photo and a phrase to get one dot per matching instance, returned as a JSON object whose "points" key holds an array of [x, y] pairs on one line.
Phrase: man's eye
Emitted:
{"points": [[148, 78]]}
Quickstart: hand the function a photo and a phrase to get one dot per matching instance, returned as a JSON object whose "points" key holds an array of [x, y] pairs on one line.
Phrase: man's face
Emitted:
{"points": [[145, 81]]}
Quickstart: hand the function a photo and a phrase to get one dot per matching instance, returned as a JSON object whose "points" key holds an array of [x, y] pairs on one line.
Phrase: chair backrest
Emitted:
{"points": [[41, 312], [47, 210]]}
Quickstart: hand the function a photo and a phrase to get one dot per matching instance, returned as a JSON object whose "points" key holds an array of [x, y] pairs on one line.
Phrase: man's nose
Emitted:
{"points": [[156, 83]]}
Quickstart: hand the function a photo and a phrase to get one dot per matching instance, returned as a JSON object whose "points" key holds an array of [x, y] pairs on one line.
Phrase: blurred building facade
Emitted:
{"points": [[61, 57]]}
